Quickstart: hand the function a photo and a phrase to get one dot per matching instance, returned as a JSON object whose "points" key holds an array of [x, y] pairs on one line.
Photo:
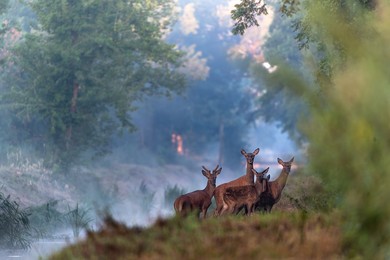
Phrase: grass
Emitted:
{"points": [[15, 230], [78, 219], [278, 235]]}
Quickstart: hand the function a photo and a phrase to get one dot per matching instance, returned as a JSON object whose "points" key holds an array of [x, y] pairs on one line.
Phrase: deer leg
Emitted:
{"points": [[217, 210], [203, 214], [225, 209], [251, 209]]}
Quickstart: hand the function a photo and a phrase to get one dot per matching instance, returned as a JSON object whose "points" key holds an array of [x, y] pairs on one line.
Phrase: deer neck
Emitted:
{"points": [[209, 189], [259, 187], [249, 174], [280, 183]]}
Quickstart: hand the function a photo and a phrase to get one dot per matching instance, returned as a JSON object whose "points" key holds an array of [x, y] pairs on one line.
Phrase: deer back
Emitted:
{"points": [[241, 194]]}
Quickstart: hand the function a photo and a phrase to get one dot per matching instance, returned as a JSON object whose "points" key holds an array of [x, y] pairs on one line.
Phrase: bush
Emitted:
{"points": [[349, 129], [15, 230], [78, 218]]}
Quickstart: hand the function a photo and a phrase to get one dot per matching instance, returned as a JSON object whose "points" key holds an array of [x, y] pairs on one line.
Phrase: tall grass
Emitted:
{"points": [[78, 219], [15, 230]]}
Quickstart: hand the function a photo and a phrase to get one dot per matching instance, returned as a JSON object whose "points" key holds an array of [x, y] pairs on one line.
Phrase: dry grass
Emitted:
{"points": [[281, 235]]}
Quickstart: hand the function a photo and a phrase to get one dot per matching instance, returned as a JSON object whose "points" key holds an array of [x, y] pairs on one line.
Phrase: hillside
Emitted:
{"points": [[274, 236]]}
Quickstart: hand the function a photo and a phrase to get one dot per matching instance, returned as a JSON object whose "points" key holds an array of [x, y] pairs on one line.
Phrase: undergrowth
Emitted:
{"points": [[295, 235]]}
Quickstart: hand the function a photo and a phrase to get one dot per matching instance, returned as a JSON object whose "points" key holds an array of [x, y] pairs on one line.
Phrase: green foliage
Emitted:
{"points": [[15, 230], [245, 14], [307, 193], [275, 103], [73, 80], [78, 218], [350, 149], [348, 125]]}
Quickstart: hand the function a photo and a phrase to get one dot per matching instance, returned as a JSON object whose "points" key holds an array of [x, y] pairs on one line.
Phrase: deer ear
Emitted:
{"points": [[280, 161], [292, 159], [255, 152], [219, 171], [205, 173], [265, 171], [243, 152]]}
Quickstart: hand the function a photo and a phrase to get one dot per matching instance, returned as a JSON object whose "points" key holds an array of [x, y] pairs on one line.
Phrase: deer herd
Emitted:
{"points": [[243, 193]]}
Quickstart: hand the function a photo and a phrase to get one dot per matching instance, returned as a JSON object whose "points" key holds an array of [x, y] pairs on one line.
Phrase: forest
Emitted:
{"points": [[116, 114]]}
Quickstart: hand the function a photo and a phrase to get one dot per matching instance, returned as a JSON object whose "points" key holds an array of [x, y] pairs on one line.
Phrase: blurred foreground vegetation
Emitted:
{"points": [[349, 130], [278, 235], [348, 127]]}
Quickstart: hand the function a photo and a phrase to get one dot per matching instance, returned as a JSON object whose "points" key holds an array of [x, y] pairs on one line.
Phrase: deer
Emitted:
{"points": [[273, 190], [200, 200], [246, 196], [247, 179]]}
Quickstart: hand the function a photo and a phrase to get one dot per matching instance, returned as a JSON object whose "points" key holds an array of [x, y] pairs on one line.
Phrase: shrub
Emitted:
{"points": [[15, 230], [78, 218]]}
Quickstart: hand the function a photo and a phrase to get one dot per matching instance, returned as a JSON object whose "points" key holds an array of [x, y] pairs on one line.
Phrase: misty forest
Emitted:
{"points": [[178, 129]]}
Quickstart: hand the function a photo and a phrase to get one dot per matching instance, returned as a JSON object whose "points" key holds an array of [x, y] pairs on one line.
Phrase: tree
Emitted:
{"points": [[295, 20], [213, 111], [73, 80], [349, 121], [276, 103]]}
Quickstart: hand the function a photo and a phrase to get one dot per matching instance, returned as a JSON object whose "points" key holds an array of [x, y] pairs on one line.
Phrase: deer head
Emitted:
{"points": [[211, 176], [286, 165], [262, 177], [250, 156]]}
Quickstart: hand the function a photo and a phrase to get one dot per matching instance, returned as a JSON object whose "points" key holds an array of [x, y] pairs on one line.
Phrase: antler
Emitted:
{"points": [[216, 168], [204, 168]]}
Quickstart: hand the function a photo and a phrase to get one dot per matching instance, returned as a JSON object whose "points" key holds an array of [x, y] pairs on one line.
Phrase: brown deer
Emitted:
{"points": [[247, 179], [273, 191], [199, 200], [246, 196]]}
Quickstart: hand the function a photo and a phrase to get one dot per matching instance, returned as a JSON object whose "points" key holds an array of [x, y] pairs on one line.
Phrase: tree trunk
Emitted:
{"points": [[73, 109]]}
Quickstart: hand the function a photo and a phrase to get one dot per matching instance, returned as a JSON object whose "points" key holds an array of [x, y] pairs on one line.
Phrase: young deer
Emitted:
{"points": [[199, 200], [274, 189], [246, 196], [247, 179]]}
